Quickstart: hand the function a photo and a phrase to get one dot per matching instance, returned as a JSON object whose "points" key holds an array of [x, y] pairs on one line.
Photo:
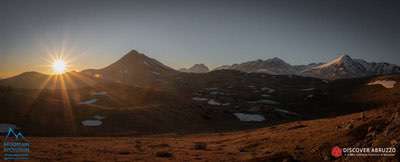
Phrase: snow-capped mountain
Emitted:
{"points": [[346, 67], [197, 68], [341, 67], [271, 66]]}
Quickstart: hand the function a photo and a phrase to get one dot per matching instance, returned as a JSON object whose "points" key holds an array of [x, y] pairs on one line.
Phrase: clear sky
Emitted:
{"points": [[181, 33]]}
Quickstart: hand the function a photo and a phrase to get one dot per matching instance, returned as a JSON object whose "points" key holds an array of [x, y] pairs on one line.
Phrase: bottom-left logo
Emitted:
{"points": [[15, 146]]}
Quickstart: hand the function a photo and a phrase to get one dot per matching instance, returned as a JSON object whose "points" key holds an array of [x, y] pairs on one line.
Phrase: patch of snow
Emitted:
{"points": [[91, 123], [213, 102], [144, 62], [87, 102], [199, 99], [5, 126], [155, 73], [264, 71], [310, 96], [265, 95], [264, 101], [269, 90], [384, 83], [98, 117], [285, 111], [226, 104], [249, 117], [337, 61], [216, 93], [308, 89]]}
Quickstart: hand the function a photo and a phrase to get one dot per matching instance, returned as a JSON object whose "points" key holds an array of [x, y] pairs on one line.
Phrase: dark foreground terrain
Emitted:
{"points": [[165, 127], [309, 140]]}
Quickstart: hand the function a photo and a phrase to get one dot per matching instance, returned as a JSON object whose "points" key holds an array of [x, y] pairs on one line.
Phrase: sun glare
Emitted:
{"points": [[59, 66]]}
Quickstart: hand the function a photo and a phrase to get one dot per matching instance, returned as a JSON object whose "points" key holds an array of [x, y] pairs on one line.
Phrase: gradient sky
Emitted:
{"points": [[181, 33]]}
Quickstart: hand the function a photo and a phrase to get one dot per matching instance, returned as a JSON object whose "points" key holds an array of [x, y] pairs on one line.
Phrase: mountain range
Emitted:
{"points": [[339, 68], [137, 69], [222, 115], [196, 68]]}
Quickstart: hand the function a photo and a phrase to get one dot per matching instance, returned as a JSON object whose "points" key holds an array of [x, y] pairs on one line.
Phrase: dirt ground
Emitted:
{"points": [[297, 141]]}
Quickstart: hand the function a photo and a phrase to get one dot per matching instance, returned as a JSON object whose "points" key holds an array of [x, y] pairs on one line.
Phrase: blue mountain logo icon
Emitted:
{"points": [[11, 133]]}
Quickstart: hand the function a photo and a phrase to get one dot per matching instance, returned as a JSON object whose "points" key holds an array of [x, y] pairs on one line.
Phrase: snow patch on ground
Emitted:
{"points": [[269, 90], [91, 123], [265, 95], [217, 93], [285, 111], [308, 89], [199, 99], [226, 104], [5, 126], [213, 102], [87, 102], [155, 73], [249, 117], [384, 83]]}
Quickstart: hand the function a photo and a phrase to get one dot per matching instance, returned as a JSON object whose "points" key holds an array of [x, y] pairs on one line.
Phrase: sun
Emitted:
{"points": [[59, 66]]}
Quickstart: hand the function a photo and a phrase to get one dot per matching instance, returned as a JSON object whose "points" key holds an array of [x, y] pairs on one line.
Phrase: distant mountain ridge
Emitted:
{"points": [[137, 69], [196, 68], [36, 80], [275, 66], [134, 69], [339, 68]]}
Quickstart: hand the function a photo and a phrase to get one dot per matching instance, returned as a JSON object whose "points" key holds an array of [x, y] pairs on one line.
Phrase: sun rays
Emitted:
{"points": [[64, 88], [59, 66]]}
